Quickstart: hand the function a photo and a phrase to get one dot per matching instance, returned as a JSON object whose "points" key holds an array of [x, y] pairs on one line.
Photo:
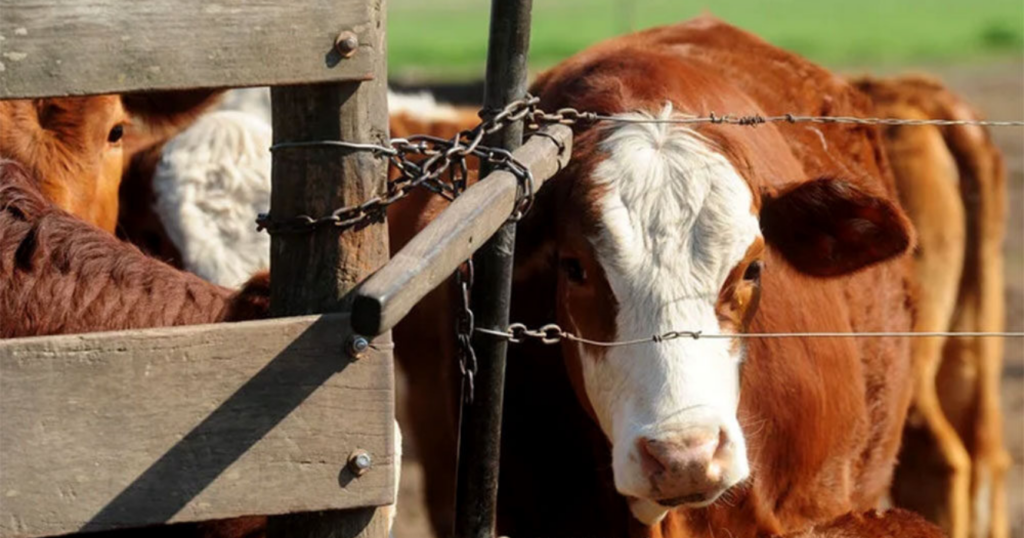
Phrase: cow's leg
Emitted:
{"points": [[991, 459], [975, 364], [933, 477]]}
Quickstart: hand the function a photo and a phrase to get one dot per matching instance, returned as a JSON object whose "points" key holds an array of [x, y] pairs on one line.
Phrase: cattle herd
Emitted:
{"points": [[121, 212]]}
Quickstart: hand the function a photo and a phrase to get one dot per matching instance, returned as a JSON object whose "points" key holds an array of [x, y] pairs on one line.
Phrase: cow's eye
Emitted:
{"points": [[753, 272], [573, 270], [116, 134]]}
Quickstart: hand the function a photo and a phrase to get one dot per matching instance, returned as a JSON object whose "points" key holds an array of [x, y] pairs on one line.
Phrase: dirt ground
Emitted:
{"points": [[998, 90]]}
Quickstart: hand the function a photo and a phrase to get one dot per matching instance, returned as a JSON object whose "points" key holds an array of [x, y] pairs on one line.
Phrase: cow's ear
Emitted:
{"points": [[829, 227], [158, 116]]}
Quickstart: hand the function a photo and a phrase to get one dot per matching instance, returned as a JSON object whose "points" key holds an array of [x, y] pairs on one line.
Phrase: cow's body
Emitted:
{"points": [[61, 276], [952, 183]]}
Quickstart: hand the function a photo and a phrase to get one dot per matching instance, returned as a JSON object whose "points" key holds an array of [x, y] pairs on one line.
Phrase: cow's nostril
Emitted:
{"points": [[724, 445], [684, 454], [649, 462], [690, 466]]}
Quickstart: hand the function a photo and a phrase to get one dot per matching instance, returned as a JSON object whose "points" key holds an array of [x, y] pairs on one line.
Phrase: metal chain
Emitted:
{"points": [[441, 154], [464, 329], [551, 333]]}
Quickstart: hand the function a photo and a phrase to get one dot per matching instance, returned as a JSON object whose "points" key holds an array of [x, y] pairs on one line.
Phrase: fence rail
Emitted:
{"points": [[431, 257], [76, 47], [127, 429]]}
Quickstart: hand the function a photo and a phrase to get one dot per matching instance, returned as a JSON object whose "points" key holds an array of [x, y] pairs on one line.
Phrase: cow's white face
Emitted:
{"points": [[677, 243]]}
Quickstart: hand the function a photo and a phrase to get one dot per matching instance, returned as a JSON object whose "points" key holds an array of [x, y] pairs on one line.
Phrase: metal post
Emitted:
{"points": [[480, 433]]}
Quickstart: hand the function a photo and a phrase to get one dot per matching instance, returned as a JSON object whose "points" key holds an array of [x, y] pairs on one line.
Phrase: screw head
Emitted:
{"points": [[346, 44], [360, 462], [357, 346]]}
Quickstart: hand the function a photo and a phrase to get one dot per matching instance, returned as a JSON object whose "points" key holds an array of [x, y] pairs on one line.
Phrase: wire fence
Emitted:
{"points": [[443, 156], [552, 334]]}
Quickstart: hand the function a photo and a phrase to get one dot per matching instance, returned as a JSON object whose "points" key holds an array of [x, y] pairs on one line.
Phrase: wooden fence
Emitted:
{"points": [[127, 429]]}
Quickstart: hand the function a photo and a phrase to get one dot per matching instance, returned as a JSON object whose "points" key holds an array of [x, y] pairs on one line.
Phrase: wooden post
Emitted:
{"points": [[314, 272], [476, 496]]}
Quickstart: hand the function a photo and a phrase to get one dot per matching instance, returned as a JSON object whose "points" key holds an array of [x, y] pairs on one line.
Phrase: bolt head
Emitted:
{"points": [[357, 346], [346, 44], [360, 462]]}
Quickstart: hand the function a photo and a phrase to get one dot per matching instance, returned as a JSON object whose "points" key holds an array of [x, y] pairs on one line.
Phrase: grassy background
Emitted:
{"points": [[447, 39]]}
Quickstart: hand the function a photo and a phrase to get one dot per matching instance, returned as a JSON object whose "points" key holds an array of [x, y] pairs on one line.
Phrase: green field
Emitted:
{"points": [[444, 39]]}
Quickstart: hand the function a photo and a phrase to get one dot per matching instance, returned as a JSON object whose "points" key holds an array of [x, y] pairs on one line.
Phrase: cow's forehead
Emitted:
{"points": [[671, 206]]}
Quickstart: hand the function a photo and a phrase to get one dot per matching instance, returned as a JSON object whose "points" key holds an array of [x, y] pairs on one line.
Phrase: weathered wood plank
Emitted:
{"points": [[114, 430], [77, 47], [431, 257]]}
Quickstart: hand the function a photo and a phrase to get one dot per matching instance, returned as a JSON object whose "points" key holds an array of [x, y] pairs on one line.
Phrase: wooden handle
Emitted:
{"points": [[434, 254]]}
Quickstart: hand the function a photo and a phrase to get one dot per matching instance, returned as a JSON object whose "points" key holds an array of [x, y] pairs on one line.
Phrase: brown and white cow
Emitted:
{"points": [[723, 229]]}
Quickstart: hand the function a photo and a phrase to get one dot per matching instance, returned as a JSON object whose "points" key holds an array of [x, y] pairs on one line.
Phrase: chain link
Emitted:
{"points": [[464, 329]]}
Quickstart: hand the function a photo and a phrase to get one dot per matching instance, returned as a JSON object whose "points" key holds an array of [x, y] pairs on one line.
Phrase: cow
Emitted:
{"points": [[725, 229], [204, 188], [951, 182], [60, 275], [78, 146]]}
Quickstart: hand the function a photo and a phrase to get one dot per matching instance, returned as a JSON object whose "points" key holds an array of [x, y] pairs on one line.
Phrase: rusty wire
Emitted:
{"points": [[551, 333], [571, 116]]}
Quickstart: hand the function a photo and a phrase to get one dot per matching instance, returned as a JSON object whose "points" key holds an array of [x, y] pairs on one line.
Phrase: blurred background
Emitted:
{"points": [[433, 40], [976, 47]]}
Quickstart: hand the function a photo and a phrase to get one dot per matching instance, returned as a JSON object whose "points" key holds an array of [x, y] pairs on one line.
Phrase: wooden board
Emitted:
{"points": [[78, 47], [124, 429]]}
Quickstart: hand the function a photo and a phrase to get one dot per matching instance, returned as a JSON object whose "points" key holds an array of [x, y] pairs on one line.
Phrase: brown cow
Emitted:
{"points": [[78, 146], [723, 229], [952, 184], [59, 275]]}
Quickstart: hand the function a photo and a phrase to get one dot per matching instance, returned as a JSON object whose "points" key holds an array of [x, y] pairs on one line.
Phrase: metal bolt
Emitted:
{"points": [[359, 462], [357, 346], [346, 44]]}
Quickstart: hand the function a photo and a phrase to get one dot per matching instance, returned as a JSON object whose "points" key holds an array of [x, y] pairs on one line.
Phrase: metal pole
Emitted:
{"points": [[476, 496]]}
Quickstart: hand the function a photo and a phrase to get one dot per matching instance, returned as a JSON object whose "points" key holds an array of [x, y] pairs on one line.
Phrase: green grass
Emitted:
{"points": [[448, 38]]}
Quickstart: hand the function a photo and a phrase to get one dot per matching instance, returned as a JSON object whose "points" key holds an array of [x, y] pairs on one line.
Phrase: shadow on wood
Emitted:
{"points": [[217, 442], [111, 430]]}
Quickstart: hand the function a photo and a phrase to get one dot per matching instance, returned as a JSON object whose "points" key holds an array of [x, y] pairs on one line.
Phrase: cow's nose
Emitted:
{"points": [[686, 468]]}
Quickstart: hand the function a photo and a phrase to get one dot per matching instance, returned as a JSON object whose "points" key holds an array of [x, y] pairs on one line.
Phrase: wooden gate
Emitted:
{"points": [[135, 428]]}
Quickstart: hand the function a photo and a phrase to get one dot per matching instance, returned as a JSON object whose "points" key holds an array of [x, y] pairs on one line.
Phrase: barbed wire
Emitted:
{"points": [[552, 333], [442, 154], [572, 116]]}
